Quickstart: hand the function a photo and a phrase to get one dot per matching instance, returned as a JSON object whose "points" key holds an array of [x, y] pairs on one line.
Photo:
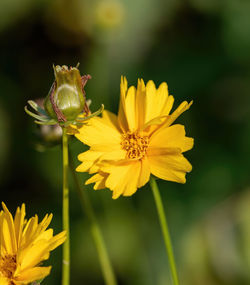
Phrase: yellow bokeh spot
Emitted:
{"points": [[109, 13]]}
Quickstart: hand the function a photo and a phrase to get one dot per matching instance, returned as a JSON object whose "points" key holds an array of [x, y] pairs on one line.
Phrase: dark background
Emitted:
{"points": [[201, 48]]}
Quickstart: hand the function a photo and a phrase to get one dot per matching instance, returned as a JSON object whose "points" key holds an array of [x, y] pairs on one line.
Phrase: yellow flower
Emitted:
{"points": [[141, 140], [24, 245]]}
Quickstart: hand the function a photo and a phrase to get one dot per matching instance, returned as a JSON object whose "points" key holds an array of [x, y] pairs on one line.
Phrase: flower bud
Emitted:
{"points": [[66, 99]]}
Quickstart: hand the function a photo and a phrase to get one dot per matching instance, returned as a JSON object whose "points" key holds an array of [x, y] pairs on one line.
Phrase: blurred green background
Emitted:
{"points": [[201, 48]]}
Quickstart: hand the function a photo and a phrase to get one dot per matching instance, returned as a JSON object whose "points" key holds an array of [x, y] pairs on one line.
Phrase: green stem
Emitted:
{"points": [[105, 263], [164, 228], [65, 212]]}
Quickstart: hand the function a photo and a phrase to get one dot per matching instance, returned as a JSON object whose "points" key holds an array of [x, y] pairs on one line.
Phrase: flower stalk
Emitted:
{"points": [[164, 228], [65, 211], [106, 267], [66, 106]]}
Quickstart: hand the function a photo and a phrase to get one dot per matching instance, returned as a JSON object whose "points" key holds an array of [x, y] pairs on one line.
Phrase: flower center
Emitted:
{"points": [[8, 265], [135, 145]]}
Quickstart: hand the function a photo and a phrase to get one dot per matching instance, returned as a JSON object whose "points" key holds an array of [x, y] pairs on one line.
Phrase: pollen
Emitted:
{"points": [[135, 145], [8, 266]]}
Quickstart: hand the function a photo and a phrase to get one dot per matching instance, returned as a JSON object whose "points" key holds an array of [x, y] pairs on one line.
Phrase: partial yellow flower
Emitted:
{"points": [[24, 245], [141, 140]]}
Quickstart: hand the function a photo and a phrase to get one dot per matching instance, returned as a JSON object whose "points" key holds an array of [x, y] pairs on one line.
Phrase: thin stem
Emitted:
{"points": [[65, 212], [164, 228], [105, 263]]}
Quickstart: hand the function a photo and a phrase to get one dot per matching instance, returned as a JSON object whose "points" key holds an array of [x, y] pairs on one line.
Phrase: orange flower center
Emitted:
{"points": [[135, 145], [8, 266]]}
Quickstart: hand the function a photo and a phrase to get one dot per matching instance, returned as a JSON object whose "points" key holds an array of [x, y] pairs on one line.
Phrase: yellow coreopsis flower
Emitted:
{"points": [[141, 140], [24, 245]]}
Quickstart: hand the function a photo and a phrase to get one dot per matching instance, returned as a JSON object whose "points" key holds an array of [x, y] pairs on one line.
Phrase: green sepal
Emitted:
{"points": [[49, 122], [36, 107], [98, 112], [38, 117], [41, 120]]}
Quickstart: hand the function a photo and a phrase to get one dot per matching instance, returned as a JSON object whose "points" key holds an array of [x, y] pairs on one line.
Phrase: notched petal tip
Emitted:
{"points": [[123, 85], [141, 85]]}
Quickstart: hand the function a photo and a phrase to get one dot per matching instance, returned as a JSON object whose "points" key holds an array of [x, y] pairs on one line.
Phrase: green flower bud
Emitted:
{"points": [[66, 99], [65, 104]]}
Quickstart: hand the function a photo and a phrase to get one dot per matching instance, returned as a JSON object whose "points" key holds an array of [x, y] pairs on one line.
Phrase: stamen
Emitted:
{"points": [[135, 145], [8, 266]]}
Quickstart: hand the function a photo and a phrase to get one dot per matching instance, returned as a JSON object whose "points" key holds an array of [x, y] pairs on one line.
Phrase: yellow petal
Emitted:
{"points": [[32, 235], [44, 223], [29, 231], [88, 158], [99, 179], [150, 102], [98, 131], [153, 104], [122, 120], [2, 247], [32, 255], [156, 151], [140, 103], [52, 243], [39, 251], [153, 124], [99, 152], [123, 177], [171, 137], [111, 119], [168, 105], [184, 106], [47, 235], [57, 240], [158, 102], [19, 223], [85, 166], [131, 108], [94, 168], [33, 274], [114, 155], [102, 147], [144, 173], [9, 234], [4, 281], [131, 111], [89, 155], [33, 230], [170, 167]]}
